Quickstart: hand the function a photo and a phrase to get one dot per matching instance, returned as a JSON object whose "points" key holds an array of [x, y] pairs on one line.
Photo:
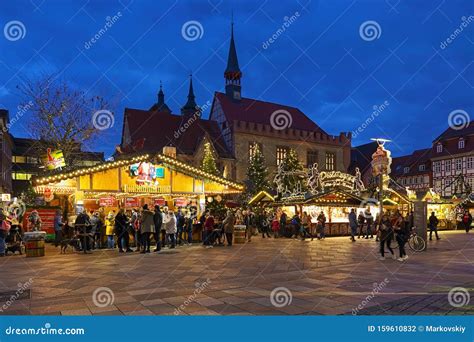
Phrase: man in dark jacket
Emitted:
{"points": [[180, 222], [433, 223], [122, 232], [158, 221], [83, 228]]}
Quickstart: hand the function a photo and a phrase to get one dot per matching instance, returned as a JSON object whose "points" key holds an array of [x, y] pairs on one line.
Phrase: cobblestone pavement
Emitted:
{"points": [[264, 277]]}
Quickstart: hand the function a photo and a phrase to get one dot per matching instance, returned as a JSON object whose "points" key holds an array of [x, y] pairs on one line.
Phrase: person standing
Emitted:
{"points": [[275, 227], [135, 223], [58, 228], [158, 222], [283, 219], [4, 228], [147, 227], [171, 228], [433, 223], [95, 231], [208, 228], [353, 224], [82, 225], [306, 226], [180, 224], [322, 225], [190, 218], [361, 221], [399, 231], [228, 224], [369, 221], [122, 232], [109, 229], [166, 217], [263, 225], [467, 221], [386, 236]]}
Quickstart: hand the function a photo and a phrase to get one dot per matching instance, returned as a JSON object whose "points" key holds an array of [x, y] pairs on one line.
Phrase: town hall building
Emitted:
{"points": [[237, 125]]}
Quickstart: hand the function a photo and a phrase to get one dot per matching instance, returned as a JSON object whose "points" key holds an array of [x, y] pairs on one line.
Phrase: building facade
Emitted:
{"points": [[6, 145], [236, 126], [453, 160], [413, 171]]}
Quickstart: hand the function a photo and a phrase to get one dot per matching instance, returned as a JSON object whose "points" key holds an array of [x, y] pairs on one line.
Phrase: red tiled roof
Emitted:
{"points": [[256, 111], [161, 129], [450, 132]]}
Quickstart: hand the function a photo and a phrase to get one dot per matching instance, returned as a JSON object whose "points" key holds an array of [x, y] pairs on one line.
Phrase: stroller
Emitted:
{"points": [[14, 241]]}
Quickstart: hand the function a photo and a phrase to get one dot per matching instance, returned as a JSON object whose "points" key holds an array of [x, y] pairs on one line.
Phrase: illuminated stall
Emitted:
{"points": [[131, 183]]}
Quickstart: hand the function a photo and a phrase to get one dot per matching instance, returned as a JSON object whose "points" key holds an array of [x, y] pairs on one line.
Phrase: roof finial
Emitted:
{"points": [[161, 85]]}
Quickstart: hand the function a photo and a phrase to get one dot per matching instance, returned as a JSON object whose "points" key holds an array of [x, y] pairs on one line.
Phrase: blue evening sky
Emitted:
{"points": [[320, 63]]}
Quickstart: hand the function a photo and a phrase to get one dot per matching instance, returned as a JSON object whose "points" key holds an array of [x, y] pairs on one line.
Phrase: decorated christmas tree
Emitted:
{"points": [[292, 180], [257, 174], [208, 161]]}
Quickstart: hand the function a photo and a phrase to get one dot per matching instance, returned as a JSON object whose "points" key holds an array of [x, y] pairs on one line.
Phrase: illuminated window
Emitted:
{"points": [[406, 169], [439, 148], [21, 176], [19, 159], [461, 143], [470, 162], [311, 157], [281, 152], [447, 166], [458, 163], [330, 161], [253, 146]]}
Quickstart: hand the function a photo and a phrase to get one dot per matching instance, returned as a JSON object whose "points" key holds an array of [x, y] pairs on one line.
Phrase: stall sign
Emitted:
{"points": [[54, 159], [180, 202], [6, 197], [48, 195], [146, 173], [46, 216], [132, 202], [160, 201], [331, 179], [107, 202], [160, 172]]}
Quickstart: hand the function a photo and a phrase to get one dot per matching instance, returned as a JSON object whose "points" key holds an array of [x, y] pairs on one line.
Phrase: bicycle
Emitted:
{"points": [[415, 242]]}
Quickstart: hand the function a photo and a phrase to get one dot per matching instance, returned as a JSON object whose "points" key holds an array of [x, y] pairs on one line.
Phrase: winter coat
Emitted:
{"points": [[433, 221], [275, 225], [158, 220], [209, 224], [228, 223], [121, 223], [109, 225], [96, 224], [352, 220], [148, 224], [170, 225]]}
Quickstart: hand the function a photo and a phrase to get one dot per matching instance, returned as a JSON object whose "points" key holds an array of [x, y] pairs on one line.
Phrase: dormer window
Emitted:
{"points": [[406, 169], [461, 143], [439, 148], [421, 167]]}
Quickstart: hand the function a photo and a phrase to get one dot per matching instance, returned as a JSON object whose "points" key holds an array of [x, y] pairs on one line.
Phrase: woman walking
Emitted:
{"points": [[147, 228], [386, 236]]}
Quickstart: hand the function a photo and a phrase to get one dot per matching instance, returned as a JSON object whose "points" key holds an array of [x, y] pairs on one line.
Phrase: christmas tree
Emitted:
{"points": [[208, 161], [293, 177], [257, 174]]}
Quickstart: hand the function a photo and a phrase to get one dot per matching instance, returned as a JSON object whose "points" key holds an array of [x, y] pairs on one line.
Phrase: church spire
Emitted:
{"points": [[161, 106], [161, 95], [190, 107], [232, 72]]}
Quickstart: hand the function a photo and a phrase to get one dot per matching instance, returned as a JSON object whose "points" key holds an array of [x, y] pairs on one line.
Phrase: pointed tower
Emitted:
{"points": [[161, 106], [232, 72], [190, 108]]}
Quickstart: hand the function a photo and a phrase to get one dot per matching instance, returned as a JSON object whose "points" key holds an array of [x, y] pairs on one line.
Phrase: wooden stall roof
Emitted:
{"points": [[169, 161]]}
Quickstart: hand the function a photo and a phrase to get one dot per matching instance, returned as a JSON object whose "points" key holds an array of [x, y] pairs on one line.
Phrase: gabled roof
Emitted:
{"points": [[160, 129], [413, 161], [455, 133], [361, 157], [256, 111]]}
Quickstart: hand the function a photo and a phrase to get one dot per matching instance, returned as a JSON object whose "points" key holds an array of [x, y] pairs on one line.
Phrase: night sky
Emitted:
{"points": [[320, 63]]}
